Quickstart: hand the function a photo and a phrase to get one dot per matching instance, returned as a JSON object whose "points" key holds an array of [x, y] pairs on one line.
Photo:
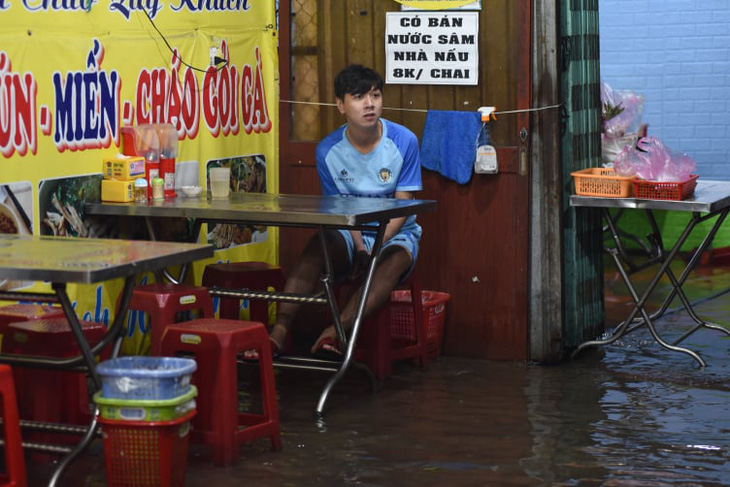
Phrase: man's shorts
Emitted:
{"points": [[403, 239]]}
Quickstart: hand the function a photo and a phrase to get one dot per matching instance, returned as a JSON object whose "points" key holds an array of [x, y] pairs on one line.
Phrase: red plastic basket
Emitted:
{"points": [[654, 190], [402, 320], [144, 453]]}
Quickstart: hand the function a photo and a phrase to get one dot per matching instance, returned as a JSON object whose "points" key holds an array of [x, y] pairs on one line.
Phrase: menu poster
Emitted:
{"points": [[74, 74], [248, 175]]}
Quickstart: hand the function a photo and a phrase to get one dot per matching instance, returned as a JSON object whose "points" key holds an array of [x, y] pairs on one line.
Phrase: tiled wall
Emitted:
{"points": [[676, 53]]}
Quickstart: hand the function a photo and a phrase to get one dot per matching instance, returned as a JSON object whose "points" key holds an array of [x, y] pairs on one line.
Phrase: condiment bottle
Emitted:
{"points": [[167, 136], [140, 190], [158, 189]]}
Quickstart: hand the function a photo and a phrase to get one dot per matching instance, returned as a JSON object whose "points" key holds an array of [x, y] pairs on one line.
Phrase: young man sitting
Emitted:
{"points": [[369, 157]]}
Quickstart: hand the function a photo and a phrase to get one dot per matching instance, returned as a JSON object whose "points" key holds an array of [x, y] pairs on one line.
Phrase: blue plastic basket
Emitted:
{"points": [[138, 377]]}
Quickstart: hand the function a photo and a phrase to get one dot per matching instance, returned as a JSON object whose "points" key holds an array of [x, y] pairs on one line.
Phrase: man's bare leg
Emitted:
{"points": [[394, 261], [304, 278]]}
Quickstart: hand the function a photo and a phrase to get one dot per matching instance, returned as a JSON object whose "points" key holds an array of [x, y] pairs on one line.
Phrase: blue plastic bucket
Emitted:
{"points": [[142, 377]]}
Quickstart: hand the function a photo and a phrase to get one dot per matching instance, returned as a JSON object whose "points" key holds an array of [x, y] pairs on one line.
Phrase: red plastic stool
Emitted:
{"points": [[14, 473], [216, 344], [376, 346], [163, 301], [50, 395], [257, 276], [13, 313]]}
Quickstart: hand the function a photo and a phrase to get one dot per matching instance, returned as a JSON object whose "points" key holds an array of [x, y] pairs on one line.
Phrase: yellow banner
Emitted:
{"points": [[74, 73]]}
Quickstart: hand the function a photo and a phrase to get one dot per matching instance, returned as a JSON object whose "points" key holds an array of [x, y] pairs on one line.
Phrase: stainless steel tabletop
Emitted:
{"points": [[289, 210], [709, 196], [272, 209], [66, 259], [62, 260]]}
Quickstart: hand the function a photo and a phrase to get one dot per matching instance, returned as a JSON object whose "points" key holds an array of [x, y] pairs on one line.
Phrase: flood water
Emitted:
{"points": [[631, 414]]}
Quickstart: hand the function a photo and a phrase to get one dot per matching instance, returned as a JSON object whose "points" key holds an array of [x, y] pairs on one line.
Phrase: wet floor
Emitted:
{"points": [[629, 414]]}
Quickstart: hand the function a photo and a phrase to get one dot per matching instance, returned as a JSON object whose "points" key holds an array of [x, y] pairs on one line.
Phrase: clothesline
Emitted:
{"points": [[421, 110]]}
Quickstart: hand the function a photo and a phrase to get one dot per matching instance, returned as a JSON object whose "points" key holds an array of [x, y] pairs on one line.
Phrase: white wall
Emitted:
{"points": [[677, 54]]}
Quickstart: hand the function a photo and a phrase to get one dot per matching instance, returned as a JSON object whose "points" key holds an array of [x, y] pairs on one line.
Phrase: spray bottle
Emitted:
{"points": [[486, 158]]}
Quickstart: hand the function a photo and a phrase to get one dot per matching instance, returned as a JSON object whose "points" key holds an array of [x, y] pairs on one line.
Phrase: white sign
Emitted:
{"points": [[432, 48]]}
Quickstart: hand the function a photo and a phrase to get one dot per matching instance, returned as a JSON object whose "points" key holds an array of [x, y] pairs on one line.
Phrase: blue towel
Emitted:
{"points": [[448, 144]]}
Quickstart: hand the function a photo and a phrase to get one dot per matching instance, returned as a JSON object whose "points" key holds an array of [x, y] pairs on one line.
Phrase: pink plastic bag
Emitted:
{"points": [[651, 160], [621, 111]]}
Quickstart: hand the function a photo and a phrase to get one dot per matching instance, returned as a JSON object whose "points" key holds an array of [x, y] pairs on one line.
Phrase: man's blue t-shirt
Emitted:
{"points": [[393, 165]]}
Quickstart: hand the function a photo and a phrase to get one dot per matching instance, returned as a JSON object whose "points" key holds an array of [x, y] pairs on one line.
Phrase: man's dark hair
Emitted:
{"points": [[356, 79]]}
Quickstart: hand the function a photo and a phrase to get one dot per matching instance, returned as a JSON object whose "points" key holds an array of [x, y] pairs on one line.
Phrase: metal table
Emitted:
{"points": [[319, 212], [711, 199], [60, 261]]}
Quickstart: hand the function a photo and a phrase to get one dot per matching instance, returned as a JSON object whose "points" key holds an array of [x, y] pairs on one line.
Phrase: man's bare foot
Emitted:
{"points": [[328, 336], [278, 335], [328, 346], [254, 354]]}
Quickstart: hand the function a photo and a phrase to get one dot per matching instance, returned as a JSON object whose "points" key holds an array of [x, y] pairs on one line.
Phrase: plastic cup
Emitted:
{"points": [[220, 181]]}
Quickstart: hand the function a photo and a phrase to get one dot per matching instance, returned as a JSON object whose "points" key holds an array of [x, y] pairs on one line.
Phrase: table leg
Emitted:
{"points": [[624, 234], [328, 282], [73, 322], [623, 329], [350, 344], [114, 335], [617, 254], [654, 254], [66, 461], [68, 363], [678, 283]]}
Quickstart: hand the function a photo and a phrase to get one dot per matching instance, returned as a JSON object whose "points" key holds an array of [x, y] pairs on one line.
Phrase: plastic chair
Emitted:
{"points": [[14, 473], [216, 345], [376, 346], [162, 302], [257, 276], [13, 313], [51, 395]]}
